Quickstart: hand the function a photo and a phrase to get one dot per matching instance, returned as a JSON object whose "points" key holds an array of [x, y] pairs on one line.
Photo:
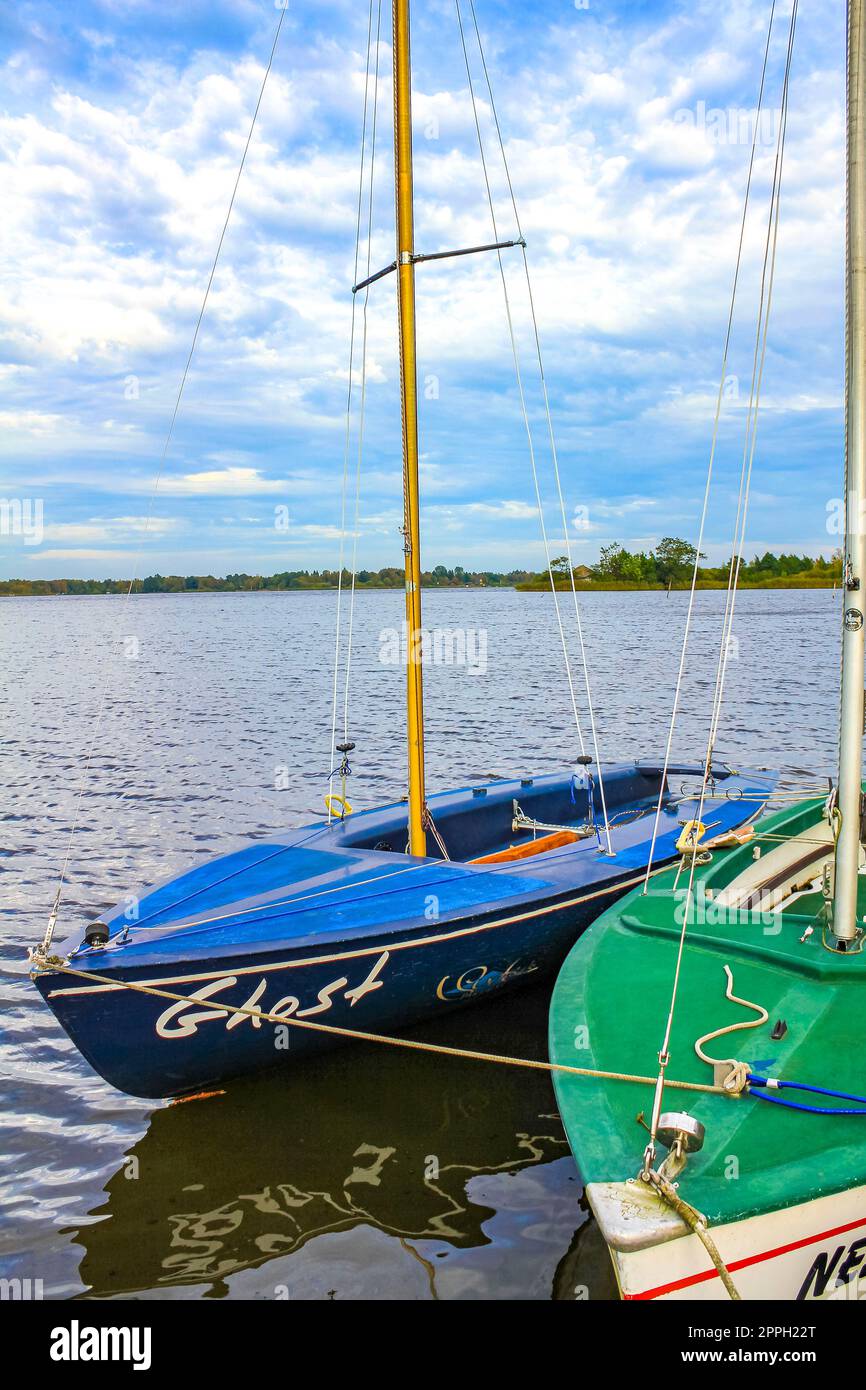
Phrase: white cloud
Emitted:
{"points": [[30, 422], [114, 198], [109, 528], [106, 555], [225, 482], [501, 511], [624, 506]]}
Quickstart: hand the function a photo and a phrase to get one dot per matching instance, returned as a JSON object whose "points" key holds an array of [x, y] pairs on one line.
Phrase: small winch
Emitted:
{"points": [[96, 934]]}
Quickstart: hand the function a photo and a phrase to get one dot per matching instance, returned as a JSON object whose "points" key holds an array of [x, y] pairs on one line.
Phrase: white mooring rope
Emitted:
{"points": [[259, 1016]]}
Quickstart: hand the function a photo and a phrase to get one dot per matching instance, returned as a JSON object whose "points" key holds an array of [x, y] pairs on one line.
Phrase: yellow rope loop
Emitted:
{"points": [[345, 808], [690, 835]]}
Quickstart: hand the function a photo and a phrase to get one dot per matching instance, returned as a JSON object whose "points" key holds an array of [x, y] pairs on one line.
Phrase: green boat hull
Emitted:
{"points": [[765, 1173]]}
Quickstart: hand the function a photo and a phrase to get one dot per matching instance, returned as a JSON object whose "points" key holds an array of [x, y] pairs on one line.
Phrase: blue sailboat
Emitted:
{"points": [[370, 922], [336, 925]]}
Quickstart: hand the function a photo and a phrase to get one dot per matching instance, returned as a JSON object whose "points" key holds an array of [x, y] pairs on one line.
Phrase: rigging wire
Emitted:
{"points": [[770, 247], [363, 399], [520, 387], [714, 441], [348, 431], [846, 392], [750, 442], [519, 377], [551, 435], [55, 909]]}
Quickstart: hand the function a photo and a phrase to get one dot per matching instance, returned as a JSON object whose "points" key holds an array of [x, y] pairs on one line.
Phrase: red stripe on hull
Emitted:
{"points": [[693, 1279]]}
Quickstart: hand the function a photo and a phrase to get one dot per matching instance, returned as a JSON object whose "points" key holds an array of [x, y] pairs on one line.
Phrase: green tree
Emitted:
{"points": [[612, 560], [675, 559]]}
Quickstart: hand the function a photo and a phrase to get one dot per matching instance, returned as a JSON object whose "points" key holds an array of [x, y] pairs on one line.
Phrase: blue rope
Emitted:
{"points": [[761, 1094], [340, 768]]}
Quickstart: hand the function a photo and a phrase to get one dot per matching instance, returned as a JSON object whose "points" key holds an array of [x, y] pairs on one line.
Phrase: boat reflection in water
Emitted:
{"points": [[368, 1173]]}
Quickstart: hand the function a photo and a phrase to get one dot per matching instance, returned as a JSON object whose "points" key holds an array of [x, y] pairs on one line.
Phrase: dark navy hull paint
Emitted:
{"points": [[326, 925], [461, 971]]}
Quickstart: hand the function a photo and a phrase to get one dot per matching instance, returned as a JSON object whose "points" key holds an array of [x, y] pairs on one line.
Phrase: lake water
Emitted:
{"points": [[373, 1173]]}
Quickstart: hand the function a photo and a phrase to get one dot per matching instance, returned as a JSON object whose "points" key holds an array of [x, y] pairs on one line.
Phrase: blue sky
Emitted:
{"points": [[121, 130]]}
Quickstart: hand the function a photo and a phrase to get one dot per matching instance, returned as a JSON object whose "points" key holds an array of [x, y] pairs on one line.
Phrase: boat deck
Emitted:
{"points": [[614, 991], [350, 878]]}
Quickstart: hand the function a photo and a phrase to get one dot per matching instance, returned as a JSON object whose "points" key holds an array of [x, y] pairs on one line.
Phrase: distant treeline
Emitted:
{"points": [[389, 578], [669, 565]]}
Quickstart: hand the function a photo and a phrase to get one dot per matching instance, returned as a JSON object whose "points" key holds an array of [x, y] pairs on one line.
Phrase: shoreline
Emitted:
{"points": [[580, 588]]}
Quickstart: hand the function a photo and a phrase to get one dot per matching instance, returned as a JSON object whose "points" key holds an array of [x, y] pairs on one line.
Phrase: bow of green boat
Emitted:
{"points": [[760, 909]]}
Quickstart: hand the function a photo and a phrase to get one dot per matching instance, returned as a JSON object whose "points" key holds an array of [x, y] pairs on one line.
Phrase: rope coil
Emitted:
{"points": [[739, 1074]]}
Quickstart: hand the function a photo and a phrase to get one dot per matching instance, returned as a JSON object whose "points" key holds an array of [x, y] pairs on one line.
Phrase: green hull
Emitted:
{"points": [[609, 1009]]}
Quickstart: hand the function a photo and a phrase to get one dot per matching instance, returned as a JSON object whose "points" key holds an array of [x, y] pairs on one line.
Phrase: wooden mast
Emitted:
{"points": [[854, 578], [409, 412]]}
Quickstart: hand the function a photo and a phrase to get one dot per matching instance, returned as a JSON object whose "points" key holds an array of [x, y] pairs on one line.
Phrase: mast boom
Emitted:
{"points": [[420, 256]]}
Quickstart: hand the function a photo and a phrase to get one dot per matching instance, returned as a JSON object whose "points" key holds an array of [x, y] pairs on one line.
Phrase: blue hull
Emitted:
{"points": [[334, 925]]}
